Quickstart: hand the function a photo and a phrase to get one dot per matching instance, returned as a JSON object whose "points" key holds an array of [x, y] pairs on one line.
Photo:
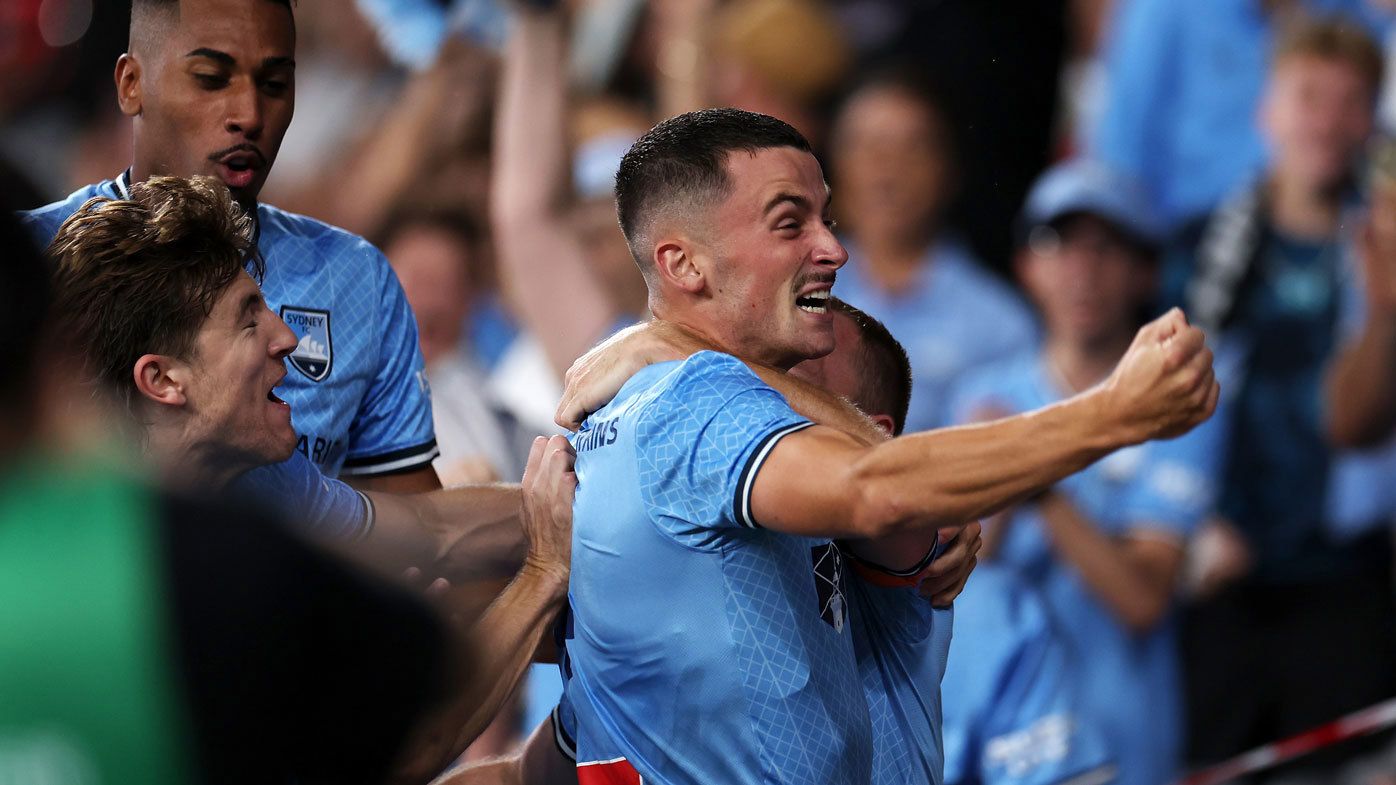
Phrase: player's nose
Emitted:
{"points": [[283, 340], [244, 114], [830, 252]]}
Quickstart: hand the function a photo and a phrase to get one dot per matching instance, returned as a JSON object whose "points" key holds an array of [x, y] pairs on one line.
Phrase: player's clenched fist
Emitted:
{"points": [[549, 485], [1164, 385]]}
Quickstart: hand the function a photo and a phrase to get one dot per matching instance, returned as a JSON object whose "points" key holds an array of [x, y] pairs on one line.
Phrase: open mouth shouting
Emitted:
{"points": [[238, 165], [816, 301]]}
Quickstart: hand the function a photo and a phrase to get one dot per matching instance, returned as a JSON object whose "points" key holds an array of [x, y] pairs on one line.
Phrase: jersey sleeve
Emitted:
{"points": [[701, 442], [392, 431], [319, 506]]}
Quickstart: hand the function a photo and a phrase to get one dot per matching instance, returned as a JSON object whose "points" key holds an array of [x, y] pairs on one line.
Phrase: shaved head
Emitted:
{"points": [[150, 19]]}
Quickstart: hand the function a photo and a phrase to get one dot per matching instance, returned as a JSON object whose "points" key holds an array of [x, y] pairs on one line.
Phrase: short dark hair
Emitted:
{"points": [[140, 9], [684, 159], [885, 386], [141, 275]]}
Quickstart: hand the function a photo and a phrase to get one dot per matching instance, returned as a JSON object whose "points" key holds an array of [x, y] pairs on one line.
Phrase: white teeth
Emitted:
{"points": [[813, 308], [823, 294]]}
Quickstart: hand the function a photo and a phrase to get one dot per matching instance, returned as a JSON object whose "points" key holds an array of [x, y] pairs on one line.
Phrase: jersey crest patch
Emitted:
{"points": [[828, 583], [314, 354]]}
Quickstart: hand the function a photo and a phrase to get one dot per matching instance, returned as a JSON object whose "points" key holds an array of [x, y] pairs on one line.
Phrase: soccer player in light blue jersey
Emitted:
{"points": [[1104, 547], [153, 295], [210, 88], [870, 369], [1010, 711], [710, 620]]}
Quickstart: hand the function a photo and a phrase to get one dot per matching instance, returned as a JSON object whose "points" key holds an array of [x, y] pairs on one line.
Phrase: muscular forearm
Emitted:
{"points": [[504, 640], [953, 476], [462, 534], [1361, 385], [531, 153], [1136, 593]]}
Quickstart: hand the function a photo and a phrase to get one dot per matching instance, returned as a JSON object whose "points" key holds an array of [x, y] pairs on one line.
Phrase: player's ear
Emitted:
{"points": [[160, 379], [677, 264], [885, 422], [128, 84]]}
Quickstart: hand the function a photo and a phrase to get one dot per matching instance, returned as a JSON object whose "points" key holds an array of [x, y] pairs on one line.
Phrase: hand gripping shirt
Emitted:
{"points": [[358, 392], [703, 648]]}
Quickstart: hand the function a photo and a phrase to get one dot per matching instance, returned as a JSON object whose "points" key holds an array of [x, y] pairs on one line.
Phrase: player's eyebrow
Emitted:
{"points": [[251, 304], [224, 58], [786, 198], [213, 54]]}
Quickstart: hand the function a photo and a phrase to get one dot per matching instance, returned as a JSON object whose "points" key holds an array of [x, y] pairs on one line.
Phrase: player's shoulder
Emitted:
{"points": [[43, 222], [330, 243], [715, 373]]}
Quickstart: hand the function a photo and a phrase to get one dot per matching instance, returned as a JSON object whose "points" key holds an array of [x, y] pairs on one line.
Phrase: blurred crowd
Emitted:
{"points": [[1020, 184]]}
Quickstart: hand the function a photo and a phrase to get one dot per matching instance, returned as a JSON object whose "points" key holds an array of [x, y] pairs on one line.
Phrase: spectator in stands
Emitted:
{"points": [[564, 267], [440, 259], [1105, 547], [1306, 587], [893, 157], [1184, 79]]}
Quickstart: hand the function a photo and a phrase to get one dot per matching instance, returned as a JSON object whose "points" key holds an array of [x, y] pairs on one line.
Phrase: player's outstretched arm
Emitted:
{"points": [[543, 263], [823, 482], [463, 534], [511, 630]]}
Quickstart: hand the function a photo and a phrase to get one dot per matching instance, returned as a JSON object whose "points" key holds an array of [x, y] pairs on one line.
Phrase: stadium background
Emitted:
{"points": [[393, 140]]}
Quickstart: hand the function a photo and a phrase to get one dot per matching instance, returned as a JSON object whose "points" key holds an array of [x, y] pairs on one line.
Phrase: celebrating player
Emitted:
{"points": [[210, 88], [153, 291], [708, 639], [900, 643]]}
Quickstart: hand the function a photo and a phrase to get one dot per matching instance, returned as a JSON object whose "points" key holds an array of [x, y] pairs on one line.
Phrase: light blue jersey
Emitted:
{"points": [[704, 649], [1012, 700], [320, 506], [1160, 489], [952, 318], [901, 643], [358, 393]]}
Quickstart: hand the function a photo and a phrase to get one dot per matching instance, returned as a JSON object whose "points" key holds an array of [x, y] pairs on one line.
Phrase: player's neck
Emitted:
{"points": [[727, 335], [1079, 365], [195, 465]]}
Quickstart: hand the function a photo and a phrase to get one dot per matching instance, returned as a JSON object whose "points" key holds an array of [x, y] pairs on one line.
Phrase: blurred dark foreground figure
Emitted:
{"points": [[156, 639]]}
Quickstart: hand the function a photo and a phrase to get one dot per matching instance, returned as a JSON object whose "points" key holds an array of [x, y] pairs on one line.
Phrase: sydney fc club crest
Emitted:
{"points": [[314, 354]]}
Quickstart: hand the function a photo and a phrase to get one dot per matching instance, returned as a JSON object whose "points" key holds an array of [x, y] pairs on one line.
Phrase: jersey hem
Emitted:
{"points": [[396, 462]]}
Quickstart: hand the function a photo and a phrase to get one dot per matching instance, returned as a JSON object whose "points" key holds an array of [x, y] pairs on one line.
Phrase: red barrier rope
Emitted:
{"points": [[1361, 723]]}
